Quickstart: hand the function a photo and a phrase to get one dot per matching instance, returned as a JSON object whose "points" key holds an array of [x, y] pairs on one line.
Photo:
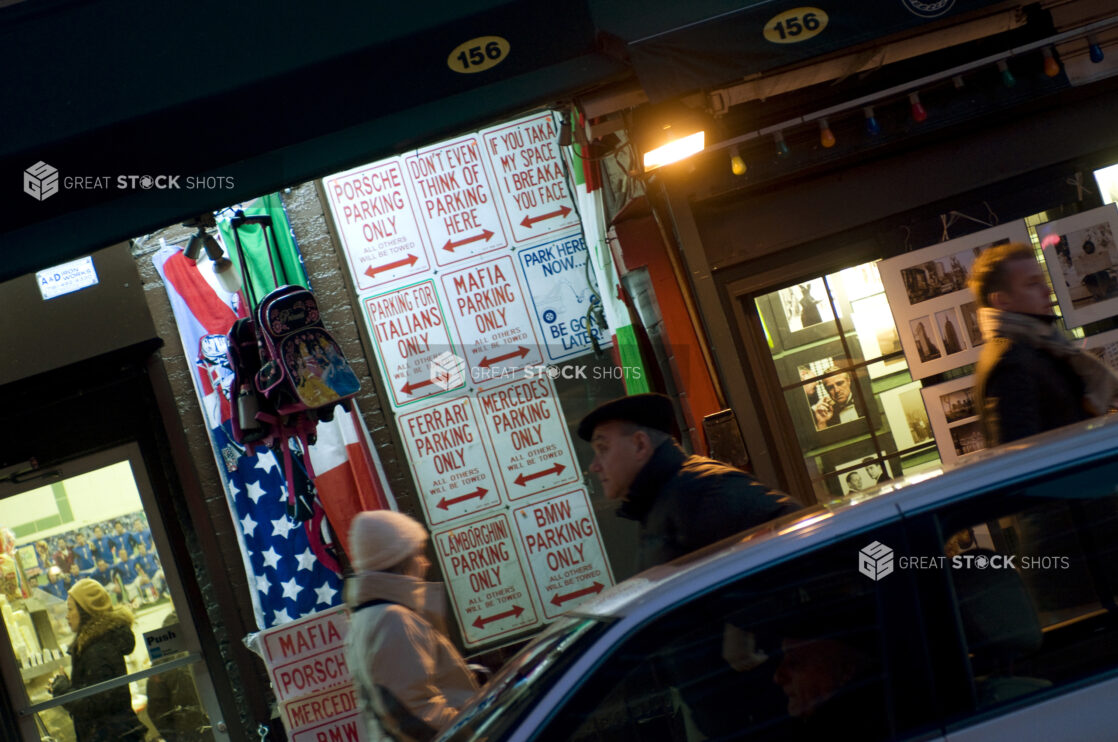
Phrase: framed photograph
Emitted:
{"points": [[954, 419], [933, 309], [877, 335], [1082, 258], [858, 467], [907, 417], [827, 399], [1104, 346], [1106, 179], [799, 314]]}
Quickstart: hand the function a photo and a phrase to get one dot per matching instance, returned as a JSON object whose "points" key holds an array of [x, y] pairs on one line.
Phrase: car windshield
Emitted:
{"points": [[523, 680]]}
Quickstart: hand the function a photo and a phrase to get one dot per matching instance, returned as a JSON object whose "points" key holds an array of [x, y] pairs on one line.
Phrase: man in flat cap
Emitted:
{"points": [[682, 502]]}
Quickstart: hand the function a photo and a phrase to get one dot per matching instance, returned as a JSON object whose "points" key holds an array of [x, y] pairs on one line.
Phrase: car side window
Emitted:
{"points": [[1034, 569], [793, 652]]}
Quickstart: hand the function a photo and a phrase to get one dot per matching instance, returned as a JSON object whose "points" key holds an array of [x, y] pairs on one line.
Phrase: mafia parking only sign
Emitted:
{"points": [[564, 548], [490, 313], [449, 460], [485, 579], [529, 434], [561, 294]]}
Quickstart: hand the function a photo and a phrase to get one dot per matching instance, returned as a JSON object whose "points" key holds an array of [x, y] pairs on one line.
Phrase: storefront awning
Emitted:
{"points": [[252, 96]]}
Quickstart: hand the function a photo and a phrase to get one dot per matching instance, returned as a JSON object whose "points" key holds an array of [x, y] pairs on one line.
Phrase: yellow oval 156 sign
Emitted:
{"points": [[795, 25], [478, 55]]}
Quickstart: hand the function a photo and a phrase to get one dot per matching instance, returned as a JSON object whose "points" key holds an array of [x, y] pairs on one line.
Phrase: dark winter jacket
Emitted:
{"points": [[99, 656], [1022, 390], [684, 503]]}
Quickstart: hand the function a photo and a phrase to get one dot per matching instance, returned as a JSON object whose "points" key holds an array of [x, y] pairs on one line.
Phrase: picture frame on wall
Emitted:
{"points": [[877, 335], [859, 467], [799, 314], [1081, 253], [954, 419], [935, 313], [1104, 346], [907, 416], [825, 406]]}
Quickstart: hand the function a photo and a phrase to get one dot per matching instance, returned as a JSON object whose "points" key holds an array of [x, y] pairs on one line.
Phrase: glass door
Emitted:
{"points": [[95, 518], [858, 416]]}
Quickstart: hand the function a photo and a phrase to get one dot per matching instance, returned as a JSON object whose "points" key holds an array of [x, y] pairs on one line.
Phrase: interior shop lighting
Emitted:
{"points": [[201, 241]]}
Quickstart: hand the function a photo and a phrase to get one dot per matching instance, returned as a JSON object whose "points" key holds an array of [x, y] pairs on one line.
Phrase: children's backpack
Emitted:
{"points": [[289, 373]]}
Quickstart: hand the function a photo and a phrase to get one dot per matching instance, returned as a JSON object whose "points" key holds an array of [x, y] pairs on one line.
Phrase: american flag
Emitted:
{"points": [[288, 581]]}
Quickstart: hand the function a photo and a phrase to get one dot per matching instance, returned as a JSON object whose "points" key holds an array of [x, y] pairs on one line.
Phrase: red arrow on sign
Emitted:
{"points": [[411, 386], [485, 235], [372, 272], [514, 611], [559, 600], [523, 479], [487, 361], [444, 504], [530, 220]]}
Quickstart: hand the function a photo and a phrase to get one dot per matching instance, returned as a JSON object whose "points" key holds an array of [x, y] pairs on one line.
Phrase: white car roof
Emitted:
{"points": [[771, 543]]}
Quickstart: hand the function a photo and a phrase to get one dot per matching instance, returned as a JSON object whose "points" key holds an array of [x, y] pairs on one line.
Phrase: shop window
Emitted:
{"points": [[1034, 580], [859, 418], [95, 525]]}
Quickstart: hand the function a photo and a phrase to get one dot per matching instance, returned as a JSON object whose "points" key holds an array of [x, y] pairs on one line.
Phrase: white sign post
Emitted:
{"points": [[564, 548], [529, 434], [485, 579], [455, 201], [449, 460], [490, 312]]}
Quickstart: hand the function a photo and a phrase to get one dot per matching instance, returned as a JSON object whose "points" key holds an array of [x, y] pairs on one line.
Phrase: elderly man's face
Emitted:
{"points": [[619, 454], [838, 386]]}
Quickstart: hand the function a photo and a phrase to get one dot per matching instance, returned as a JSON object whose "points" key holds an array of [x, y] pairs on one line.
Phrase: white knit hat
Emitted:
{"points": [[379, 539]]}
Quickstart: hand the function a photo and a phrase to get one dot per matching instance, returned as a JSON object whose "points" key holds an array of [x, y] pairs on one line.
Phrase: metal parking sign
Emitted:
{"points": [[455, 201], [449, 460], [490, 313], [485, 579], [562, 295], [561, 539], [529, 435], [411, 337]]}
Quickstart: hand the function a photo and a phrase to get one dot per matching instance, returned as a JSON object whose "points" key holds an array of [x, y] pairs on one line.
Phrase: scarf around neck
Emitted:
{"points": [[1100, 383]]}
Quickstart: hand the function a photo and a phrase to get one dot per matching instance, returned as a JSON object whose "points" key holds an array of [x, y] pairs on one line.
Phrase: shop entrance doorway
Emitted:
{"points": [[96, 517]]}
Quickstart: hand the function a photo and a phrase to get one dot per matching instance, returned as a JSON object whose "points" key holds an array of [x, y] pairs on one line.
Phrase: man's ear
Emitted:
{"points": [[643, 443], [997, 299]]}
